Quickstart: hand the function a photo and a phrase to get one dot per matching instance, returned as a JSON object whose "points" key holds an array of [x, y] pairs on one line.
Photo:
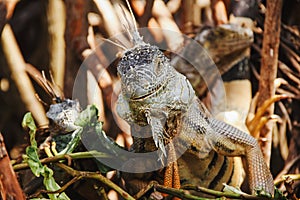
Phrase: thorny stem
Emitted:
{"points": [[97, 176], [77, 155]]}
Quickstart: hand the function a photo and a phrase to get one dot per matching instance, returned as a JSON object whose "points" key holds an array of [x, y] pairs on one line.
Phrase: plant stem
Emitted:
{"points": [[283, 178], [77, 155], [223, 194], [178, 193], [62, 189], [97, 176]]}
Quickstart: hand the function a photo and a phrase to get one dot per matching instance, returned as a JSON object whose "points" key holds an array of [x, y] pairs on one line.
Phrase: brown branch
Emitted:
{"points": [[262, 122], [174, 5], [147, 13], [10, 6], [283, 178], [286, 169], [145, 190], [62, 189], [251, 124], [56, 19], [268, 71], [3, 13], [96, 176], [288, 183], [9, 185], [111, 19], [77, 26], [219, 12], [166, 21], [17, 64], [291, 56], [187, 16], [76, 40], [289, 73]]}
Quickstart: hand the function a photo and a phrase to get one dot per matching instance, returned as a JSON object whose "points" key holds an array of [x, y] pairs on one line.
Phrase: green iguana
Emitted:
{"points": [[155, 94]]}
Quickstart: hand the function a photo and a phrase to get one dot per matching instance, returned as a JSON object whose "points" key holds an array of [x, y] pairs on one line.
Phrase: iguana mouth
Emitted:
{"points": [[152, 92]]}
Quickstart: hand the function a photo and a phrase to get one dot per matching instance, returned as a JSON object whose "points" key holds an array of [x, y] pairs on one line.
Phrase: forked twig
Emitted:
{"points": [[62, 189], [252, 123], [97, 176]]}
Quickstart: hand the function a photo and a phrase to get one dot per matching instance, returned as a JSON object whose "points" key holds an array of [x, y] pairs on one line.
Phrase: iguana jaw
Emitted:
{"points": [[154, 91]]}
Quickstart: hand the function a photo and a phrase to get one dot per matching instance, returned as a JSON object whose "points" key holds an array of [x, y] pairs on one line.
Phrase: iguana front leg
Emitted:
{"points": [[155, 119], [230, 141], [205, 133]]}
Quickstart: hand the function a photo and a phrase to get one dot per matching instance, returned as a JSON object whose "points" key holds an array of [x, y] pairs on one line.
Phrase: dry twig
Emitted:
{"points": [[17, 66], [97, 176]]}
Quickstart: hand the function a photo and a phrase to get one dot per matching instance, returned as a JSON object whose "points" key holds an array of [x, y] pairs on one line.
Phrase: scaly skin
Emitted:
{"points": [[226, 45], [154, 93]]}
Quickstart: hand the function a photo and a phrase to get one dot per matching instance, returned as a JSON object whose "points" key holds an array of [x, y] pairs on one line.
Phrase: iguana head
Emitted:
{"points": [[143, 69]]}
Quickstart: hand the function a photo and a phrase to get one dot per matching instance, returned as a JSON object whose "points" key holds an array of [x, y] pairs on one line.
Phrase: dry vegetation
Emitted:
{"points": [[51, 39]]}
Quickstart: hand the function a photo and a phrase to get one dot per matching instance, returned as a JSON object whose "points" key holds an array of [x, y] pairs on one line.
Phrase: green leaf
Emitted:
{"points": [[51, 185], [73, 143], [233, 190], [106, 142], [61, 141], [28, 122], [88, 116], [35, 164], [279, 195], [31, 152], [262, 193], [33, 161], [88, 120]]}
